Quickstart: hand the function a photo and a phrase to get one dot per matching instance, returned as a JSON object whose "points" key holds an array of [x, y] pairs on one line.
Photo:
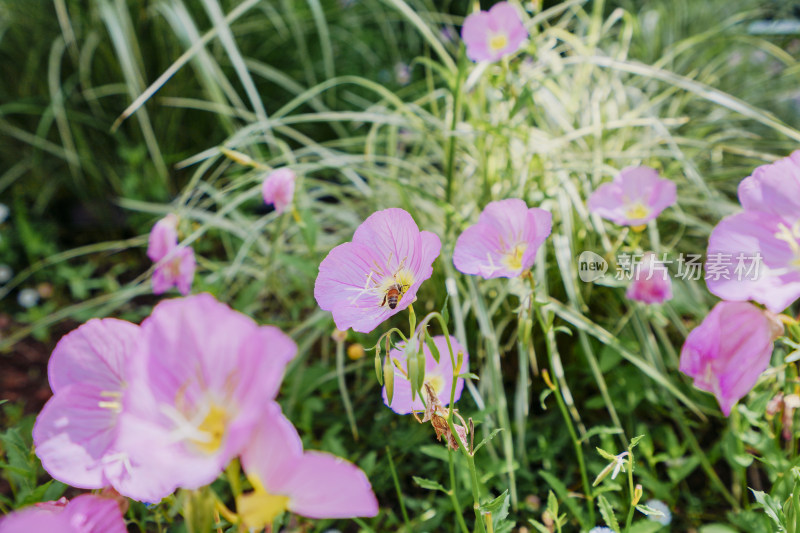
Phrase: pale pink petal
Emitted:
{"points": [[503, 227], [750, 235], [72, 434], [278, 188], [651, 282], [474, 33], [728, 351], [354, 278], [32, 519], [163, 238], [322, 485], [95, 353], [439, 374], [176, 269], [92, 514], [632, 189], [273, 450], [774, 189]]}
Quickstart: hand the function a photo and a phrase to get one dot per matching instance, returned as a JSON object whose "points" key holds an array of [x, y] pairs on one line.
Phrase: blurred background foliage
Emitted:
{"points": [[358, 97]]}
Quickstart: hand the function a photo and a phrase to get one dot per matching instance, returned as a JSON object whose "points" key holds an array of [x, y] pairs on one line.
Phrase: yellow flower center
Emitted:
{"points": [[791, 236], [513, 258], [498, 41], [213, 429], [637, 211], [437, 383], [259, 508]]}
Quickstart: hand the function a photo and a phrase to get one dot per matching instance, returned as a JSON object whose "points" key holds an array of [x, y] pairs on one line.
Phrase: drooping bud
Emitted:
{"points": [[378, 367], [388, 377]]}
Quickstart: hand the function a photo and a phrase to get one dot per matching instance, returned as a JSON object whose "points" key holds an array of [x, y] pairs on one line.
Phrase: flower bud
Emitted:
{"points": [[388, 378], [355, 352]]}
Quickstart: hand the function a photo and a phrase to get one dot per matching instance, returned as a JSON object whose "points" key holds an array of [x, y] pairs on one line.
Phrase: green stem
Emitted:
{"points": [[632, 507], [397, 488], [475, 496], [451, 145], [549, 341], [348, 407], [453, 495]]}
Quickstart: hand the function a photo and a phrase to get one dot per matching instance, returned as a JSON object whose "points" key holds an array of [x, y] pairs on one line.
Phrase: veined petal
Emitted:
{"points": [[96, 353]]}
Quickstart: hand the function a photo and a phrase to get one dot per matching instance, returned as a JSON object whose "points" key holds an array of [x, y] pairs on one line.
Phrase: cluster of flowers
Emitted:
{"points": [[146, 409], [727, 353], [175, 263]]}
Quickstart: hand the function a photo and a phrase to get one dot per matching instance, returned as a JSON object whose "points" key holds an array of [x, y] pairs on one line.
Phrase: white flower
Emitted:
{"points": [[5, 273], [28, 298], [619, 464]]}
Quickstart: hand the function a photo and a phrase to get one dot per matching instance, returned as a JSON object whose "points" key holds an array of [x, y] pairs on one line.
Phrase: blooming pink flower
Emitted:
{"points": [[278, 188], [505, 240], [439, 375], [176, 269], [636, 196], [163, 238], [490, 35], [729, 350], [284, 478], [377, 275], [197, 387], [755, 254], [84, 514], [175, 264], [76, 434], [651, 282]]}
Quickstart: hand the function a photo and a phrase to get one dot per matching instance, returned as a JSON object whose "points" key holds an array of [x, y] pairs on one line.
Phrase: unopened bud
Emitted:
{"points": [[338, 335], [412, 367], [459, 361], [355, 351], [637, 494], [388, 378], [378, 368], [239, 157]]}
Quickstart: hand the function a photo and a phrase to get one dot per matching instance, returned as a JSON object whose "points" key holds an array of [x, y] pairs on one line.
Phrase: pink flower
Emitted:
{"points": [[439, 375], [636, 196], [505, 240], [651, 282], [729, 350], [285, 478], [755, 254], [76, 434], [85, 514], [176, 269], [278, 188], [163, 238], [490, 35], [197, 387], [377, 275], [175, 264]]}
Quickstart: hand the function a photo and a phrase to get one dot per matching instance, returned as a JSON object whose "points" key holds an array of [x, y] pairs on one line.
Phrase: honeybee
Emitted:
{"points": [[393, 295]]}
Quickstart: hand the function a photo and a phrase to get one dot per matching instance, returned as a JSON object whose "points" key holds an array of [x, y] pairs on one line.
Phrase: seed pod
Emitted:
{"points": [[388, 378]]}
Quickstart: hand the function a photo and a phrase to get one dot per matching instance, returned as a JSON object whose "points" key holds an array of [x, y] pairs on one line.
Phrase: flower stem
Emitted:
{"points": [[348, 407], [451, 145], [454, 495], [397, 488]]}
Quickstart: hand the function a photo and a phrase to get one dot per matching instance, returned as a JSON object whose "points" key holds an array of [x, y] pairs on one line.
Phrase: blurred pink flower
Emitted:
{"points": [[636, 196], [76, 433], [490, 35], [278, 188], [285, 478], [651, 281], [197, 387], [439, 375], [175, 264], [755, 254], [729, 350], [86, 513], [377, 275], [505, 240]]}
